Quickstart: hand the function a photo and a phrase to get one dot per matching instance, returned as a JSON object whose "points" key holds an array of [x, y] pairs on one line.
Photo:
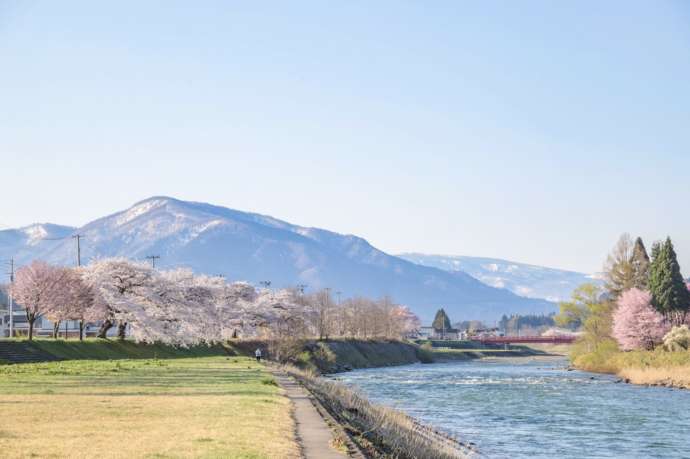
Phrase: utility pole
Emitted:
{"points": [[78, 238], [11, 305], [338, 293], [265, 283], [153, 259], [301, 288]]}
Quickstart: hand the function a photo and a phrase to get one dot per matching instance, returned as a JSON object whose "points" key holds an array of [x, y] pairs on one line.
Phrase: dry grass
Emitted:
{"points": [[208, 407], [382, 432], [669, 376], [656, 367]]}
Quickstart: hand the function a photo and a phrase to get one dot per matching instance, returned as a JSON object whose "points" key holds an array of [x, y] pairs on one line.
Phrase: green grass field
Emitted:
{"points": [[209, 407]]}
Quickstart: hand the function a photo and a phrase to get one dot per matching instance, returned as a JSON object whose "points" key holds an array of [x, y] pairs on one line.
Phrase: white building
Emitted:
{"points": [[432, 333]]}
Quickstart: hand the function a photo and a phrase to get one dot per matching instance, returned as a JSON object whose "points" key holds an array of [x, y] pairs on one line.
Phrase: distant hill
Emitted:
{"points": [[522, 279], [253, 247]]}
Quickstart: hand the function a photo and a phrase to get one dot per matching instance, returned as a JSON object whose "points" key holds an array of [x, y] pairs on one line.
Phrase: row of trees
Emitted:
{"points": [[525, 324], [644, 299], [629, 266], [180, 307]]}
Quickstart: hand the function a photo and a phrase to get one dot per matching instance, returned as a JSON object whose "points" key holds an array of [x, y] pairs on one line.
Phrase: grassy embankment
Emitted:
{"points": [[206, 406], [446, 351], [380, 431], [101, 349], [657, 367], [336, 355]]}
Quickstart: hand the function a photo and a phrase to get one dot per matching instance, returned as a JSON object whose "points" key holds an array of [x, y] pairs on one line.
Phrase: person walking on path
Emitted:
{"points": [[257, 353]]}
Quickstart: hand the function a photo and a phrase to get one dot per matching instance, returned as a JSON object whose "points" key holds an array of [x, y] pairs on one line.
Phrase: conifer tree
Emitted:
{"points": [[441, 321], [670, 295], [640, 265]]}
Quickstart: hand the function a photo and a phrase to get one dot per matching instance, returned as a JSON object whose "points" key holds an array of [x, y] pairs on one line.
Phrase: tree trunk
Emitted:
{"points": [[56, 329], [31, 329], [81, 330], [121, 329], [103, 331]]}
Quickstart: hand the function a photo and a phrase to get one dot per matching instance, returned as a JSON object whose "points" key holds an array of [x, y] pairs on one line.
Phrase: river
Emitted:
{"points": [[535, 408]]}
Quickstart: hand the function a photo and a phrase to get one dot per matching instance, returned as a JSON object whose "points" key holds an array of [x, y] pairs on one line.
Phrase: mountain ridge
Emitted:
{"points": [[524, 279], [254, 247]]}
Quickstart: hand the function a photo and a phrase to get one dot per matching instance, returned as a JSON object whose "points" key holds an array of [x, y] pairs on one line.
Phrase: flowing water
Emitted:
{"points": [[535, 408]]}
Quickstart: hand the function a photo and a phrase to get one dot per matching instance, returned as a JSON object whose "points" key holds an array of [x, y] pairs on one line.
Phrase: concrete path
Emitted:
{"points": [[313, 433]]}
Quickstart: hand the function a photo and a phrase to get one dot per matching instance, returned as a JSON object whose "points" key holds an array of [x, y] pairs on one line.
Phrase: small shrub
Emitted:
{"points": [[425, 353], [268, 381], [599, 359], [678, 339]]}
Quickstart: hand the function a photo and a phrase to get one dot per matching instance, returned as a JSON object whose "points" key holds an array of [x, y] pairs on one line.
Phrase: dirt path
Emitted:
{"points": [[313, 433]]}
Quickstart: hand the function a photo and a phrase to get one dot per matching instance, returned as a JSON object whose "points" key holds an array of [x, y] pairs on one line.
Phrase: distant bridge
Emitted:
{"points": [[556, 339]]}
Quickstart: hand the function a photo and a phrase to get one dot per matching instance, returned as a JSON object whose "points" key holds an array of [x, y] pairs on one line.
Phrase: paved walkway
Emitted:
{"points": [[313, 433]]}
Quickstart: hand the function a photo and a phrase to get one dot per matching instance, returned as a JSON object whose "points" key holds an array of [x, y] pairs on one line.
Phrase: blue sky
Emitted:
{"points": [[533, 131]]}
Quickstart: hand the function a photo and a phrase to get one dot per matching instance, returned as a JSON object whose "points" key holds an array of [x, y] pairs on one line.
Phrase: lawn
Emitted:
{"points": [[210, 407]]}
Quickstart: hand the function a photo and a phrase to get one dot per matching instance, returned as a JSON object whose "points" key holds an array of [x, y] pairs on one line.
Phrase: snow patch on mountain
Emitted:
{"points": [[139, 210], [523, 279], [35, 234]]}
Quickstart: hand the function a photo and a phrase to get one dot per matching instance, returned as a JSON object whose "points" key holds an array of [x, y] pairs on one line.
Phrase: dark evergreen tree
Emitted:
{"points": [[441, 321], [670, 295], [640, 265]]}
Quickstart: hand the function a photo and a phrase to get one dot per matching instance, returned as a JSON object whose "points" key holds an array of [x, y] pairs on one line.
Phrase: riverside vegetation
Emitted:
{"points": [[637, 327]]}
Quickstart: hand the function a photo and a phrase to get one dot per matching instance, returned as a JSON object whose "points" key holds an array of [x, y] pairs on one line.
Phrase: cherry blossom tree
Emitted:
{"points": [[181, 308], [59, 302], [124, 287], [37, 288], [86, 303], [636, 323]]}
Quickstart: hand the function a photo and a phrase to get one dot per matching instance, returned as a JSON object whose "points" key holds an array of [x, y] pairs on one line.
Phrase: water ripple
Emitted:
{"points": [[536, 409]]}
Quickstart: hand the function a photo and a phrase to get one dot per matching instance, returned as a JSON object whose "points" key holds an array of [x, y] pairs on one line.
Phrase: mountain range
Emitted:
{"points": [[253, 247], [522, 279]]}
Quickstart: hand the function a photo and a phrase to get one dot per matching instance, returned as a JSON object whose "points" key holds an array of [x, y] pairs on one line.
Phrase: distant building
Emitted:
{"points": [[433, 333], [42, 327]]}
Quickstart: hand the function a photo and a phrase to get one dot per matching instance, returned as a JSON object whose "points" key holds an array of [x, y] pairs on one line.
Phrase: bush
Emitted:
{"points": [[269, 381], [425, 353], [599, 359], [678, 339]]}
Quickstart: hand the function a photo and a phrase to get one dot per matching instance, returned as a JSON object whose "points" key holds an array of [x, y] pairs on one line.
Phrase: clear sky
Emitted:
{"points": [[533, 131]]}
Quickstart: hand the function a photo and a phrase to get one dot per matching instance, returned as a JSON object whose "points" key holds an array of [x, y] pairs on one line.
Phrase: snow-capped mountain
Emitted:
{"points": [[253, 247], [24, 243], [522, 279]]}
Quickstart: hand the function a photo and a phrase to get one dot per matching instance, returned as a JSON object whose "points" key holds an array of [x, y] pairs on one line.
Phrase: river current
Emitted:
{"points": [[535, 408]]}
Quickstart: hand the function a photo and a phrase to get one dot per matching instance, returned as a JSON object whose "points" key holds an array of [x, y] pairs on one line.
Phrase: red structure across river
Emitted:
{"points": [[556, 339]]}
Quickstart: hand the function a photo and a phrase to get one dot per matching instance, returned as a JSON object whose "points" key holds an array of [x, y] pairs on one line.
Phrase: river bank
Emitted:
{"points": [[649, 368], [380, 432], [340, 355]]}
